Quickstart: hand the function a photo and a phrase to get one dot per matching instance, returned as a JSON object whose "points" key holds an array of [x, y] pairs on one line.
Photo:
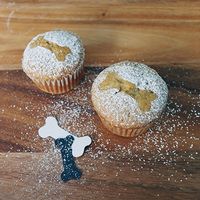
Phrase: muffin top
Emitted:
{"points": [[129, 94], [53, 54]]}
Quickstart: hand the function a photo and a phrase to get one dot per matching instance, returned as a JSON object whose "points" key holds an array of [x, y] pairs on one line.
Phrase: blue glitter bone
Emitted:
{"points": [[69, 165]]}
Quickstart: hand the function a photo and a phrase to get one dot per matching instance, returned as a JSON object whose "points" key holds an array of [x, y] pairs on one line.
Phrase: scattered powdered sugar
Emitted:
{"points": [[41, 62], [171, 142], [121, 109]]}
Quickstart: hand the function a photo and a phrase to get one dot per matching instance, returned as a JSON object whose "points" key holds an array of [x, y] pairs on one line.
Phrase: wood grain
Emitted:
{"points": [[24, 107], [163, 164], [155, 32], [101, 183]]}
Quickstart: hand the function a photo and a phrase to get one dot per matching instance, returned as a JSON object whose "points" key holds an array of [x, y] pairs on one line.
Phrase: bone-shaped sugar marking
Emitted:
{"points": [[51, 129], [70, 170]]}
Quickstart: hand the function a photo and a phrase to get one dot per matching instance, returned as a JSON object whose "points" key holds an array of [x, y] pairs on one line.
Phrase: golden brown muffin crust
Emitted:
{"points": [[143, 97], [60, 52]]}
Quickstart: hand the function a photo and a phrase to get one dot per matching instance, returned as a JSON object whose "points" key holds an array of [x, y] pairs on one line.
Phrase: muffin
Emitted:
{"points": [[54, 61], [128, 97]]}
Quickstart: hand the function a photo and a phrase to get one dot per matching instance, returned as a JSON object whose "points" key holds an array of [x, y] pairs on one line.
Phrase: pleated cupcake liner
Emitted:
{"points": [[62, 85], [125, 132]]}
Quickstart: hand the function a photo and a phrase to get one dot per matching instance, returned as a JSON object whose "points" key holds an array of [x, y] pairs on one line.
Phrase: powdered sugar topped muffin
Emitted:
{"points": [[54, 60], [128, 96]]}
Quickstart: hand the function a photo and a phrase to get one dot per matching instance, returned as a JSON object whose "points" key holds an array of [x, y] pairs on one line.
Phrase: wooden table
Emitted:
{"points": [[162, 164]]}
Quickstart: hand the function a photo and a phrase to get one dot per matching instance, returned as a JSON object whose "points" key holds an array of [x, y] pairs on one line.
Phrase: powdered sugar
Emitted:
{"points": [[121, 109], [167, 155], [41, 63]]}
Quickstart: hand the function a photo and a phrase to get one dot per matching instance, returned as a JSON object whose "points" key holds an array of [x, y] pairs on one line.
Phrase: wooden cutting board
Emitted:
{"points": [[162, 164]]}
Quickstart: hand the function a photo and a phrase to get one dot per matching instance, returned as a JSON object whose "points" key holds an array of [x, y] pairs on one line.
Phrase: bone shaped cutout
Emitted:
{"points": [[51, 129]]}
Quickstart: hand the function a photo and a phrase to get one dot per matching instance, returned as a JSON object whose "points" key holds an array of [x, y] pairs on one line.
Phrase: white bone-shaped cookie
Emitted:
{"points": [[51, 129]]}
